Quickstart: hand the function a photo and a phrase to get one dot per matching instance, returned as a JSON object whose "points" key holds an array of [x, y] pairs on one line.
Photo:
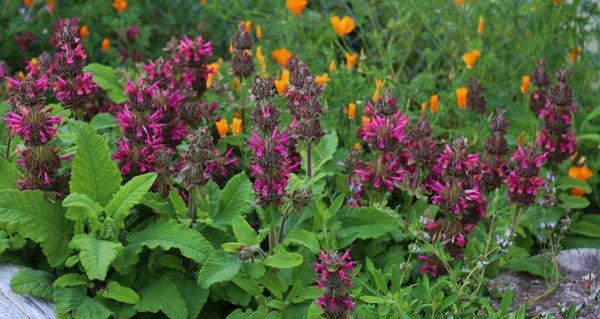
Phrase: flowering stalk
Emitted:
{"points": [[334, 272], [494, 166]]}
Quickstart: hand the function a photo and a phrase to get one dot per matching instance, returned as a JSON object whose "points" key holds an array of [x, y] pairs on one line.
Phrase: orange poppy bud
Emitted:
{"points": [[221, 127], [209, 80], [281, 56], [259, 34], [434, 103], [28, 3], [282, 83], [322, 79], [423, 107], [51, 5], [83, 31], [481, 25], [248, 25], [365, 120], [573, 53], [203, 1], [260, 57], [236, 126], [332, 66], [230, 48], [459, 2], [461, 97], [21, 75], [556, 2], [105, 45], [351, 59], [378, 84], [351, 111], [342, 26], [120, 5], [34, 61], [470, 58], [376, 95], [525, 84], [357, 146], [296, 6]]}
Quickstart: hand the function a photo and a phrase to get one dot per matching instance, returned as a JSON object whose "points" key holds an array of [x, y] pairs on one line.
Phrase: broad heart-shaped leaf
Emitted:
{"points": [[115, 291], [237, 197], [128, 196], [88, 205], [194, 296], [366, 222], [243, 231], [283, 259], [32, 282], [163, 295], [38, 219], [76, 301], [94, 173], [9, 174], [106, 78], [166, 235], [219, 267], [95, 255]]}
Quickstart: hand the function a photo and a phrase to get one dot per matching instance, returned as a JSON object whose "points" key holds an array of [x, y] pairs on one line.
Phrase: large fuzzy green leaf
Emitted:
{"points": [[38, 219], [32, 282], [163, 295], [128, 196], [95, 255], [166, 235], [244, 233], [366, 222], [237, 197], [106, 78], [94, 173], [9, 174], [75, 301], [115, 291], [88, 205], [194, 296], [283, 259], [219, 268]]}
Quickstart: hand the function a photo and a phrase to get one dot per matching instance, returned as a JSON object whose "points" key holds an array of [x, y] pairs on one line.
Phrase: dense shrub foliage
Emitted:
{"points": [[295, 159]]}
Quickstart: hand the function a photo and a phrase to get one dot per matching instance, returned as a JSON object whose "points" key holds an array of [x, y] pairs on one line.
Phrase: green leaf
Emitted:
{"points": [[32, 282], [194, 296], [283, 259], [218, 268], [89, 206], [36, 218], [95, 255], [304, 238], [106, 78], [366, 222], [243, 231], [157, 204], [588, 225], [94, 173], [128, 196], [273, 283], [237, 198], [69, 280], [103, 121], [177, 202], [166, 235], [75, 300], [324, 151], [567, 182], [536, 265], [163, 295], [115, 291], [9, 174], [574, 202]]}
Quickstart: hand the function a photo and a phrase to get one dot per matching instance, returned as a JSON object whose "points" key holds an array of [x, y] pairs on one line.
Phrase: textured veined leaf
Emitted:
{"points": [[32, 282], [106, 78], [304, 238], [166, 235], [366, 222], [38, 219], [103, 121], [243, 231], [194, 296], [218, 268], [163, 295], [237, 198], [94, 173], [115, 291], [95, 255], [70, 280], [128, 196], [9, 174], [283, 259], [75, 301], [89, 206]]}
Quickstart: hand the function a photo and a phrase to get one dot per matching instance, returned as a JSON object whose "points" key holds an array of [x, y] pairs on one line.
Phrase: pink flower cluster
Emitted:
{"points": [[334, 279], [523, 181]]}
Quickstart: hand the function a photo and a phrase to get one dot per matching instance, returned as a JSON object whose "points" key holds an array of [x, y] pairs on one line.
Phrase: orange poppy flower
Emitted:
{"points": [[365, 120], [281, 56], [248, 25], [423, 107], [203, 1], [357, 146], [351, 59], [28, 3], [342, 26], [322, 79], [236, 126], [556, 2], [296, 6], [470, 58], [259, 34], [221, 127], [120, 5], [481, 25], [351, 111], [459, 2], [332, 66], [260, 57], [214, 67], [21, 75], [582, 173], [434, 103], [461, 97], [376, 95], [51, 5], [282, 83], [525, 84], [105, 45], [83, 31]]}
